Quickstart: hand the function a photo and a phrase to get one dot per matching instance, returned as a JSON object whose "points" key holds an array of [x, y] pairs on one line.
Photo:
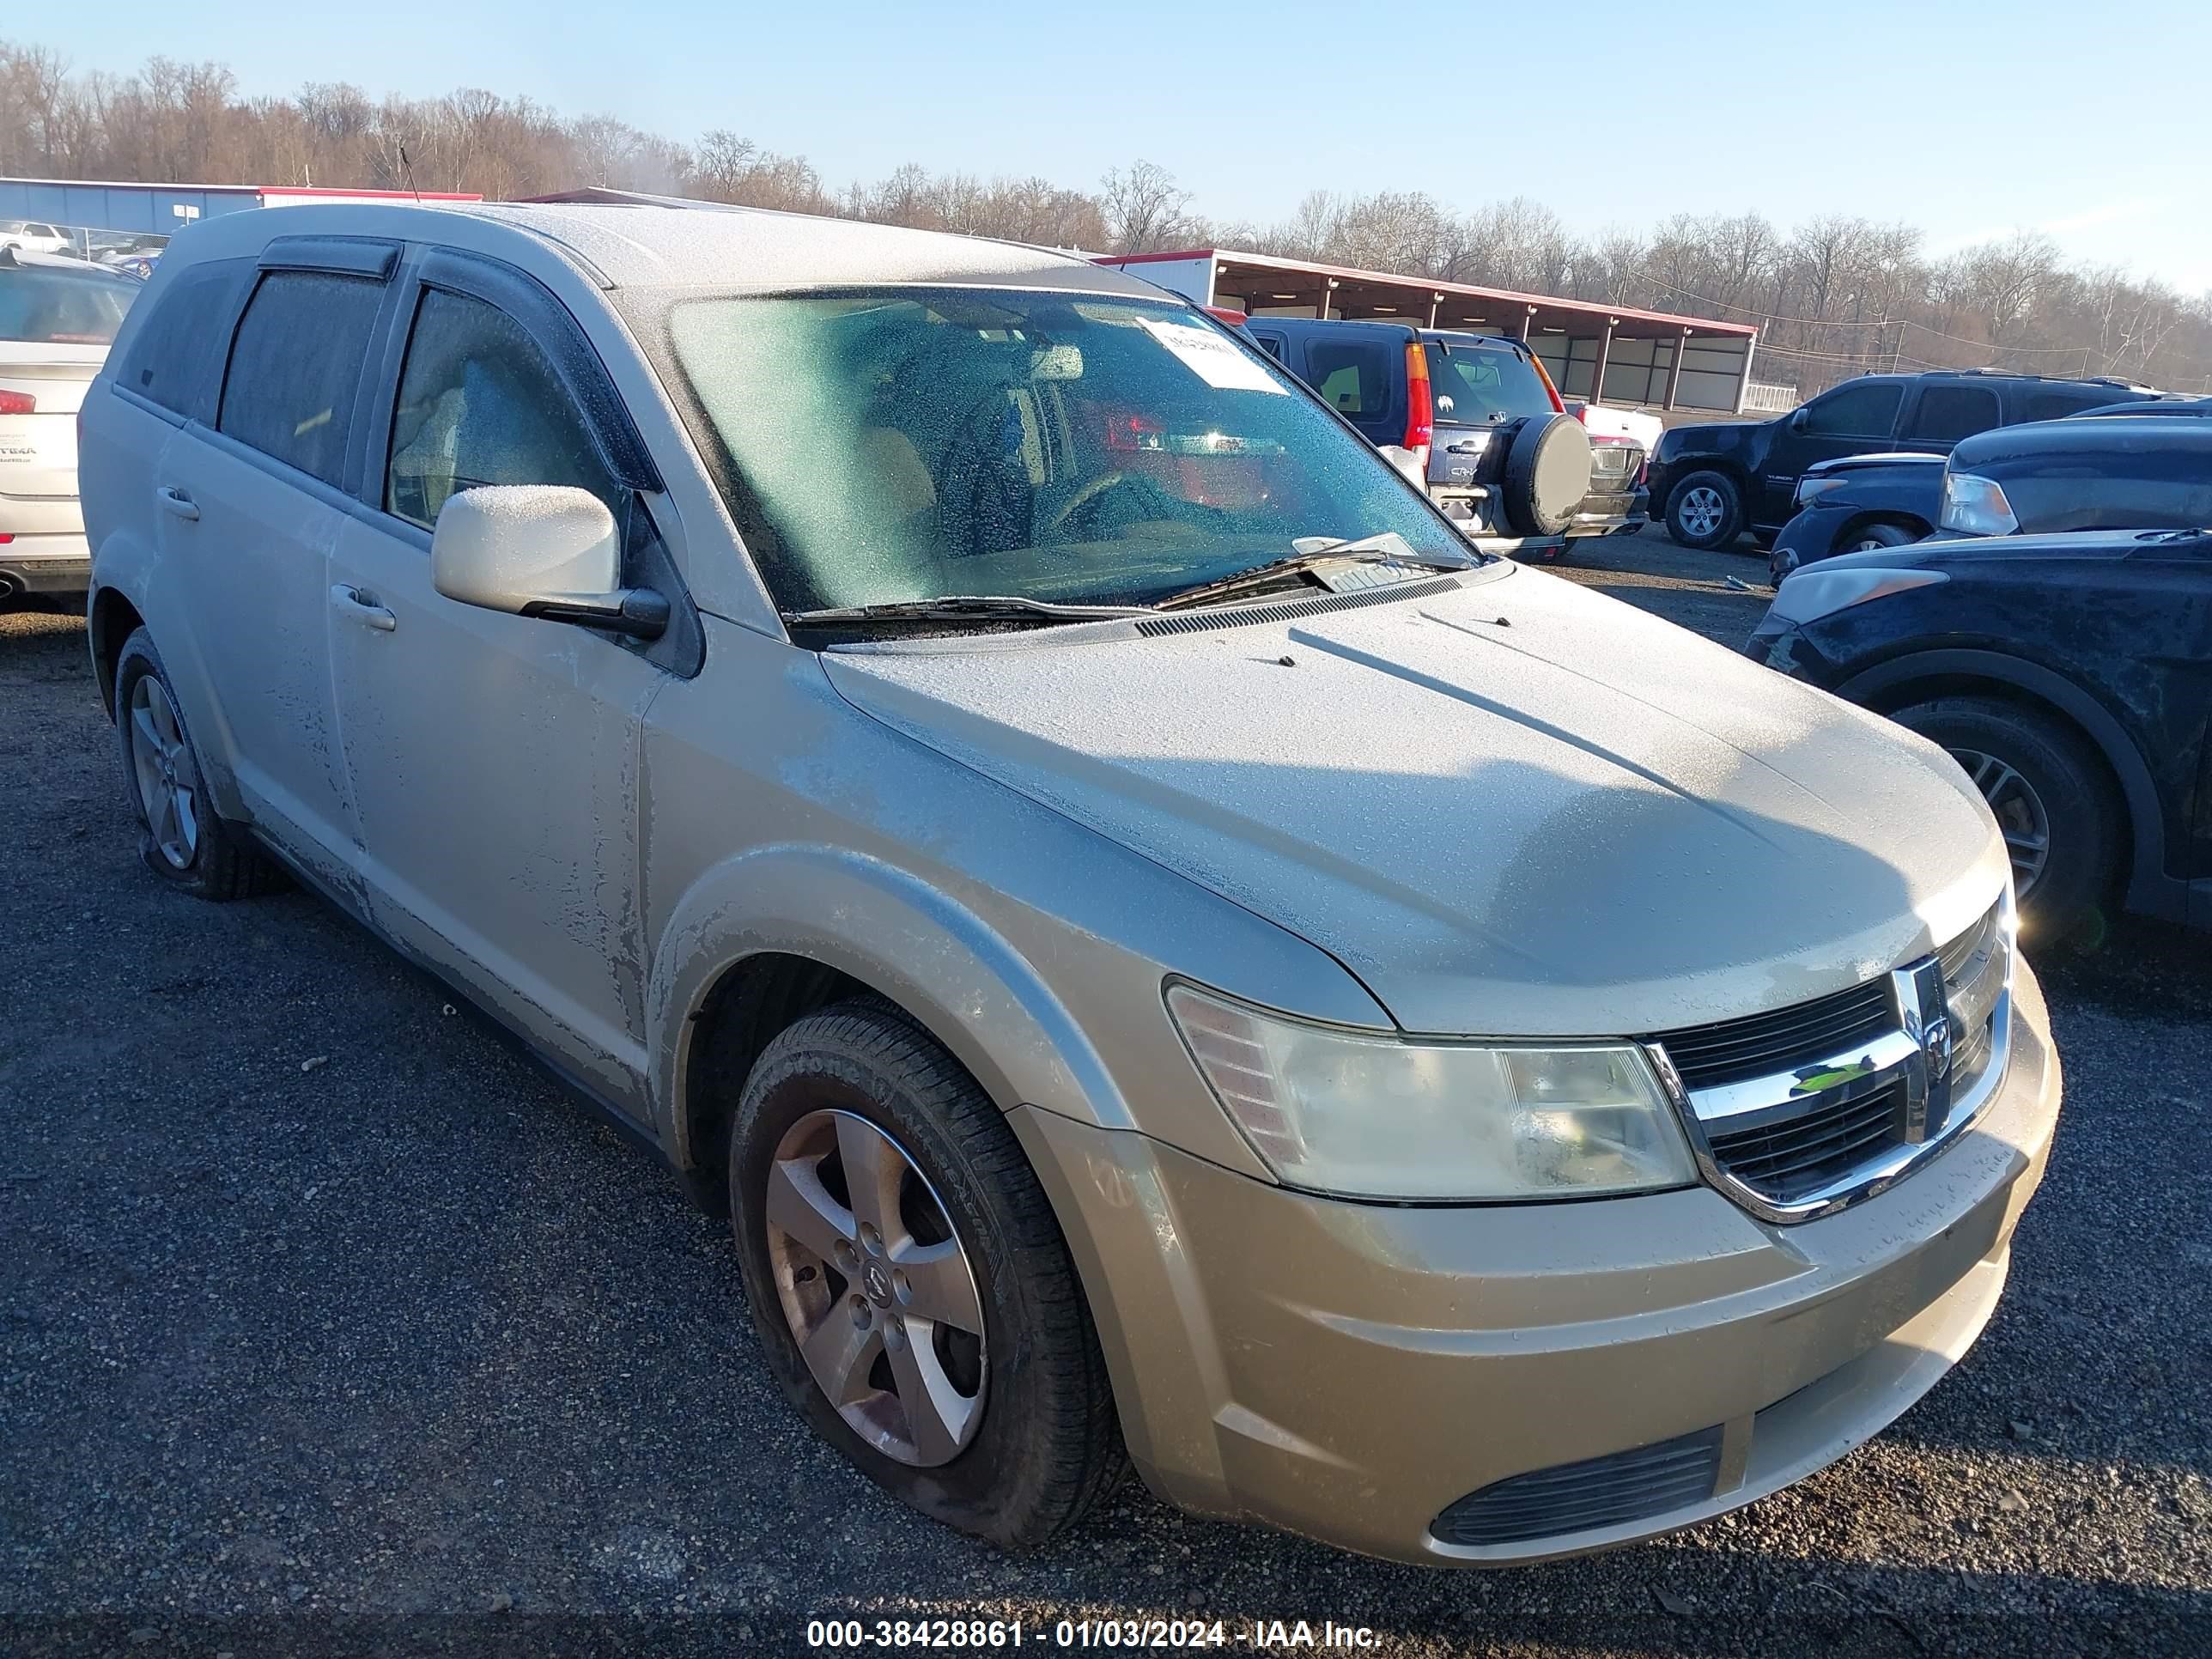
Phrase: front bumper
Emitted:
{"points": [[45, 564], [1350, 1371]]}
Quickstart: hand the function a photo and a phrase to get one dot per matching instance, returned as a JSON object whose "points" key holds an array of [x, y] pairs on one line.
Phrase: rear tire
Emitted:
{"points": [[1706, 511], [1015, 1438], [184, 843], [2052, 798]]}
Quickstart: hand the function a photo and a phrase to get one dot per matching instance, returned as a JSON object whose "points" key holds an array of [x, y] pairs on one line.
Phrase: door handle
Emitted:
{"points": [[361, 606], [175, 500]]}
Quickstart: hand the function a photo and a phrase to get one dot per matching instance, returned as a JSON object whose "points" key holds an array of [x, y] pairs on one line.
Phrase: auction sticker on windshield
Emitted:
{"points": [[1209, 357]]}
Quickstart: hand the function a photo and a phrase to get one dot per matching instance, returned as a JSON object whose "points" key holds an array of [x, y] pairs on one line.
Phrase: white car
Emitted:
{"points": [[33, 236], [58, 318]]}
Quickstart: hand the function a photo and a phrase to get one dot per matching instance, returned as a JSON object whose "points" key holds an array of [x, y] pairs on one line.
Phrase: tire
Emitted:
{"points": [[1042, 1444], [1546, 474], [2041, 778], [187, 845], [1868, 538], [1705, 510]]}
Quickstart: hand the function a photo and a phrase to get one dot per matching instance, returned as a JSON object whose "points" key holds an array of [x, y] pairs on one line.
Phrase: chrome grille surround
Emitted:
{"points": [[1939, 1062]]}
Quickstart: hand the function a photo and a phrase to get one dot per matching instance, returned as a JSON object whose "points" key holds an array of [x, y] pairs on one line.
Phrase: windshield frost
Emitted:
{"points": [[916, 443]]}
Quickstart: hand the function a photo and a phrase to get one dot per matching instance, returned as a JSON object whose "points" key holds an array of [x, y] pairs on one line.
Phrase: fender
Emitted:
{"points": [[2150, 890], [891, 931]]}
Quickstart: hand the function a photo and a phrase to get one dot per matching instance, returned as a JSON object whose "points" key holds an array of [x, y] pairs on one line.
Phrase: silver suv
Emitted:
{"points": [[1161, 950]]}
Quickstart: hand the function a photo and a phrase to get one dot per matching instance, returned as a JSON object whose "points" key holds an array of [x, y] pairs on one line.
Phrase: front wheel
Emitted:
{"points": [[909, 1283], [1868, 539], [2052, 801], [1705, 510]]}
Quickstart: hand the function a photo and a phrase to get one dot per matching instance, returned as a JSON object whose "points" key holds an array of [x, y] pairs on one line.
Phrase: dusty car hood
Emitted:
{"points": [[1516, 808]]}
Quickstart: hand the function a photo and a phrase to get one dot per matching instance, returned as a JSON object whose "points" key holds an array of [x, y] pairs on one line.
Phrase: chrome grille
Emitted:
{"points": [[1801, 1110], [1600, 1491], [1803, 1151], [1760, 1044]]}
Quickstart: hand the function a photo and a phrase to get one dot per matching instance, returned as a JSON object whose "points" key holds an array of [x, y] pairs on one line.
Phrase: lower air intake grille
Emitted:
{"points": [[1786, 1161], [1603, 1492]]}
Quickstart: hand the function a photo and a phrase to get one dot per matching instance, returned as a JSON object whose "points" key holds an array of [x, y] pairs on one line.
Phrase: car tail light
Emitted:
{"points": [[17, 403], [1420, 407], [6, 536], [1128, 432], [1550, 391]]}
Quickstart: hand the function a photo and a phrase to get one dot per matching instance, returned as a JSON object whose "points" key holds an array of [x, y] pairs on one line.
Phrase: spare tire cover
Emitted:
{"points": [[1547, 473]]}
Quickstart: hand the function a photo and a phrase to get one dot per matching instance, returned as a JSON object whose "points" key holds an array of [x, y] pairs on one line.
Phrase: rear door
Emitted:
{"points": [[494, 756], [252, 508], [1855, 419], [1944, 412]]}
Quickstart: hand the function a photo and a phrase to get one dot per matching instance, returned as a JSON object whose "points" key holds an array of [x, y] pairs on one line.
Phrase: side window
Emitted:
{"points": [[1856, 411], [479, 404], [1352, 376], [1948, 413], [2057, 405], [178, 350], [295, 367]]}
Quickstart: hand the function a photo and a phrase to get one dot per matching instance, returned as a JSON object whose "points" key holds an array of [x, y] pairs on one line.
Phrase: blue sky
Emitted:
{"points": [[1968, 119]]}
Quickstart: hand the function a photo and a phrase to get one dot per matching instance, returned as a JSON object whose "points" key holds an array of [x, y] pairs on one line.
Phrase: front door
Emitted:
{"points": [[249, 512], [495, 758], [1857, 418]]}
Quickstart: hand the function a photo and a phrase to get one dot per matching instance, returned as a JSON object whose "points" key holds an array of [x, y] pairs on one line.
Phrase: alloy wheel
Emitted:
{"points": [[2019, 811], [876, 1288], [162, 764], [1702, 511]]}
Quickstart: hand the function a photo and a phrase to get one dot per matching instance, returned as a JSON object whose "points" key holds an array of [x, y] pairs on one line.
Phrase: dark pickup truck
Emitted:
{"points": [[1715, 481]]}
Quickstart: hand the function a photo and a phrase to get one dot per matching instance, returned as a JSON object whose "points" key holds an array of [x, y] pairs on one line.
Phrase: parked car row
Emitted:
{"points": [[1164, 949], [2151, 472], [1718, 480]]}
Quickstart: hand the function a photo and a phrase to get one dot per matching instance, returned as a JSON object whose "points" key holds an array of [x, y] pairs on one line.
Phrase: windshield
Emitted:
{"points": [[1482, 385], [40, 305], [906, 443]]}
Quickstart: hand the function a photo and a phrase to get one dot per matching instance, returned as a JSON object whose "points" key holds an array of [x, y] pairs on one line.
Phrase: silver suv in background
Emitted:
{"points": [[1162, 951], [57, 316]]}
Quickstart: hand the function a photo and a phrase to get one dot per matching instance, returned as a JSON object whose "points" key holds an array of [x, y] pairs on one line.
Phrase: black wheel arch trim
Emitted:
{"points": [[2151, 890]]}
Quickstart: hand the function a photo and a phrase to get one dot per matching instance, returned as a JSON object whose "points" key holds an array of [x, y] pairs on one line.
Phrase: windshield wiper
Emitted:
{"points": [[958, 607], [1387, 548]]}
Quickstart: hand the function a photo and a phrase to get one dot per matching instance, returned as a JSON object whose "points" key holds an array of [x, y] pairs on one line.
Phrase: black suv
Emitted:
{"points": [[1473, 417], [2069, 675], [1715, 481]]}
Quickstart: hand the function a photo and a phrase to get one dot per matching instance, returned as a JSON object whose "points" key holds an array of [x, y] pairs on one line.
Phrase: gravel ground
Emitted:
{"points": [[329, 1326]]}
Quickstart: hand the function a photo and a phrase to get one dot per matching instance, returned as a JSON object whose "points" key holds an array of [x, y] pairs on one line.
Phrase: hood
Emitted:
{"points": [[1881, 457], [1513, 808]]}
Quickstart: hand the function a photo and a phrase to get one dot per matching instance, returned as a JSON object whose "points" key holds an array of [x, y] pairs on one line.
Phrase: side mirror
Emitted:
{"points": [[1797, 419], [540, 550]]}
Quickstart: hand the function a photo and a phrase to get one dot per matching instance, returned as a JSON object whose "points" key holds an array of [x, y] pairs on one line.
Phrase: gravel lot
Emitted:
{"points": [[329, 1326]]}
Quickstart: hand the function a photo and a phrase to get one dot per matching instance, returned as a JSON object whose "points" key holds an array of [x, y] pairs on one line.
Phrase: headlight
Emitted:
{"points": [[1814, 484], [1368, 1116], [1975, 505], [1821, 590]]}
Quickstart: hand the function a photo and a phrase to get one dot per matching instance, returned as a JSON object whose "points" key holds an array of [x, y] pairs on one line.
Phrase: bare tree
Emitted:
{"points": [[1144, 210]]}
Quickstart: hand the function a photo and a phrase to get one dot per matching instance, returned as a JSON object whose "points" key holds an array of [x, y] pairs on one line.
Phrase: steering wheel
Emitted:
{"points": [[1159, 502]]}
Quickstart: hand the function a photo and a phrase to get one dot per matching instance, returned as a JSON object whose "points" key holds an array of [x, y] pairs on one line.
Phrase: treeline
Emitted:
{"points": [[1832, 296]]}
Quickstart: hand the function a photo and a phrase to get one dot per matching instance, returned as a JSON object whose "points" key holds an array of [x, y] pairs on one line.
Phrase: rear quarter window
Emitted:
{"points": [[176, 352], [1352, 376]]}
